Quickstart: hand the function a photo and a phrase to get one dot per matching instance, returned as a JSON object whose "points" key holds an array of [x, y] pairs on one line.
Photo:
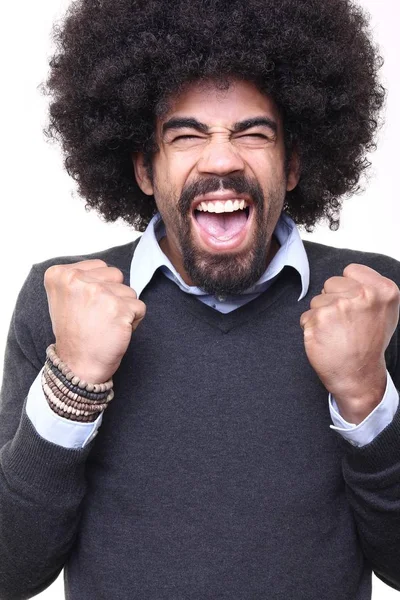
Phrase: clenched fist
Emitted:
{"points": [[346, 332], [93, 315]]}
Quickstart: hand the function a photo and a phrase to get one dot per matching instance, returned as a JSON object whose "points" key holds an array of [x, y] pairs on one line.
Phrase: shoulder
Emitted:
{"points": [[326, 261], [117, 256]]}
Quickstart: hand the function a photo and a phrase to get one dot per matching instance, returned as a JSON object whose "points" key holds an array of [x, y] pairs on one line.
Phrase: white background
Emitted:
{"points": [[40, 218]]}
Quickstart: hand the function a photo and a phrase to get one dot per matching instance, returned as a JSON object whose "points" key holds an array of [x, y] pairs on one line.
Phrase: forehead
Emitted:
{"points": [[213, 106]]}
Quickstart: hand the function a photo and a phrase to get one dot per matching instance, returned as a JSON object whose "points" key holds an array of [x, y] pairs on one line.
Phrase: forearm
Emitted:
{"points": [[42, 484], [372, 476], [41, 490]]}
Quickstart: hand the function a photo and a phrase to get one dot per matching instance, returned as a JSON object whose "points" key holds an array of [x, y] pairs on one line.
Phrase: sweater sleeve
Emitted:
{"points": [[372, 477], [42, 485]]}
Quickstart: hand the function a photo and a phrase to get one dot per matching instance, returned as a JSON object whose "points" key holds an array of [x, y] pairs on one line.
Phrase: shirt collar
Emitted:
{"points": [[148, 257]]}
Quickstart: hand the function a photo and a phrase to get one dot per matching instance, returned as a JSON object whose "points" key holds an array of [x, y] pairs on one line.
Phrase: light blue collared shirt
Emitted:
{"points": [[147, 258]]}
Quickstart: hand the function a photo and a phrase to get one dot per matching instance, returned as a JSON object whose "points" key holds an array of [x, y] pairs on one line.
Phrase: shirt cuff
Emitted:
{"points": [[366, 431], [53, 428]]}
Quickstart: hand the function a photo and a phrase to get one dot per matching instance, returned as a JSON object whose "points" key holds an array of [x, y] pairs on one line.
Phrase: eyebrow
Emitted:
{"points": [[255, 122], [190, 123]]}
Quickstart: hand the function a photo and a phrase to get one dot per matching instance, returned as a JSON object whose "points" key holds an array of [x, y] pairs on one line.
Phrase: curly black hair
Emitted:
{"points": [[118, 61]]}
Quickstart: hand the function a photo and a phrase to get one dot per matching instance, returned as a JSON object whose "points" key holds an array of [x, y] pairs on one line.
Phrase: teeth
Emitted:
{"points": [[220, 207]]}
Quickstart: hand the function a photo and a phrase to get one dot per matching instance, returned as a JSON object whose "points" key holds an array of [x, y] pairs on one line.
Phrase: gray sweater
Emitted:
{"points": [[215, 474]]}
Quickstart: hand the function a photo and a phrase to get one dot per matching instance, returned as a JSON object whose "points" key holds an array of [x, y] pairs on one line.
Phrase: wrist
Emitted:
{"points": [[89, 373], [68, 395], [84, 370], [361, 398]]}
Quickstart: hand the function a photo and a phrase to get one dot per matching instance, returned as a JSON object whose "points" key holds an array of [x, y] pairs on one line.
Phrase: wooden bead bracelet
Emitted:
{"points": [[68, 395]]}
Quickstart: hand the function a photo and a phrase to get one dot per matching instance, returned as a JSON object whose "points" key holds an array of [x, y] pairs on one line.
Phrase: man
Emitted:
{"points": [[203, 464]]}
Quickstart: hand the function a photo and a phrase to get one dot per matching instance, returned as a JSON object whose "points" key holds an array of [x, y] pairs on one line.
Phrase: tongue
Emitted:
{"points": [[222, 225]]}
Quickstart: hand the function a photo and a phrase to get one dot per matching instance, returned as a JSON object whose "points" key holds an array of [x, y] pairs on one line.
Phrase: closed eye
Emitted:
{"points": [[254, 135], [187, 137]]}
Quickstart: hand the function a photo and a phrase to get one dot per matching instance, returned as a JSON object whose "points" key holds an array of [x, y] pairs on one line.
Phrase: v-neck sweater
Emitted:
{"points": [[208, 479]]}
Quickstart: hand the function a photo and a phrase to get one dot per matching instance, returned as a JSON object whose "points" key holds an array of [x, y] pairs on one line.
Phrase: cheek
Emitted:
{"points": [[265, 161], [172, 171], [262, 172]]}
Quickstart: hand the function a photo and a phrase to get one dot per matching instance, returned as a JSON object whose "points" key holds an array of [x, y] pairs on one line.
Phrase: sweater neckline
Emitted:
{"points": [[287, 278]]}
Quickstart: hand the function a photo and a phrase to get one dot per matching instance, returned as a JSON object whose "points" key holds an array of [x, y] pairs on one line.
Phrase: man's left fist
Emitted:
{"points": [[346, 332]]}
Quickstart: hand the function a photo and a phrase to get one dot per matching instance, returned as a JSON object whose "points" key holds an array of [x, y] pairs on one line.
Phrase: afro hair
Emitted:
{"points": [[118, 61]]}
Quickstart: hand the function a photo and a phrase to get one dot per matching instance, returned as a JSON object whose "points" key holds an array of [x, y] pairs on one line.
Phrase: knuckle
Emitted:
{"points": [[138, 309], [53, 274], [343, 303], [367, 293], [329, 281], [142, 308], [355, 270], [113, 306], [391, 290], [117, 273], [49, 275], [95, 288], [70, 275], [319, 315], [99, 262], [351, 268], [91, 263]]}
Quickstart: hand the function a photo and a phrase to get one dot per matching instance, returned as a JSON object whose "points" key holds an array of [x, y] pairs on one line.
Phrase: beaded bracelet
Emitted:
{"points": [[88, 396], [68, 395], [93, 407], [63, 410]]}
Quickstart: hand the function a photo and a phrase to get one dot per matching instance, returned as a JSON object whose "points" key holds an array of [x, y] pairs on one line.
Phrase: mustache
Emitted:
{"points": [[237, 183]]}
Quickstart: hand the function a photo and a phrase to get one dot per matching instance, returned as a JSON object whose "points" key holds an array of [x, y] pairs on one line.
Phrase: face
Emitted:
{"points": [[219, 182]]}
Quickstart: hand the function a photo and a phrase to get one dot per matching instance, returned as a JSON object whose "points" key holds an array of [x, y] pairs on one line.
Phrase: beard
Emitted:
{"points": [[222, 274]]}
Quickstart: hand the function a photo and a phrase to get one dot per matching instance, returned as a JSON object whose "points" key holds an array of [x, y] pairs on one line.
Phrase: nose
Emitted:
{"points": [[220, 157]]}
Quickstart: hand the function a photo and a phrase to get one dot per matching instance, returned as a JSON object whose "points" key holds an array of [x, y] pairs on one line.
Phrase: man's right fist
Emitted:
{"points": [[93, 315]]}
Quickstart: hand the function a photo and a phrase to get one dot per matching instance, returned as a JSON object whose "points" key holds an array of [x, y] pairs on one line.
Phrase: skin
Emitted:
{"points": [[349, 325], [346, 332], [255, 154]]}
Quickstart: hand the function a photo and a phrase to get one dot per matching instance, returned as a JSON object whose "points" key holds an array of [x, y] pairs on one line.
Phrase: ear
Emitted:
{"points": [[293, 175], [141, 174]]}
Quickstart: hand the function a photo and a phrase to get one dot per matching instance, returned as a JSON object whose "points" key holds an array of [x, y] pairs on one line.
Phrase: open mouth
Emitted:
{"points": [[223, 225]]}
